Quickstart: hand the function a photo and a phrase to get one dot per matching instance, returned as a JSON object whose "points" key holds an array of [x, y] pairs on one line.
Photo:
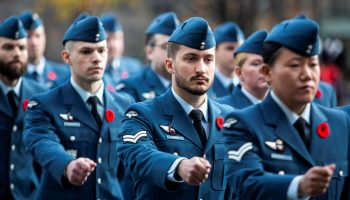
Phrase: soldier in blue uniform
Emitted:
{"points": [[248, 64], [72, 130], [228, 37], [118, 66], [288, 147], [326, 95], [171, 144], [154, 80], [41, 69], [19, 176]]}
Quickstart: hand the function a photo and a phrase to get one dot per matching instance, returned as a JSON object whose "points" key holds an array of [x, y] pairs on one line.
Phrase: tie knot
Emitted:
{"points": [[93, 100], [12, 94], [301, 122], [196, 115]]}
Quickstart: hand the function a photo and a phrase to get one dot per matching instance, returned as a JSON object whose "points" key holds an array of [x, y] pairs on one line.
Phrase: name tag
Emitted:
{"points": [[72, 124], [174, 137], [281, 157]]}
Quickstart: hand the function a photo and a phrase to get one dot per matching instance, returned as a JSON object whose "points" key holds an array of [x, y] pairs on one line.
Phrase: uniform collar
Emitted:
{"points": [[188, 108], [115, 64], [251, 97], [85, 94], [226, 81], [39, 68], [292, 116], [5, 88]]}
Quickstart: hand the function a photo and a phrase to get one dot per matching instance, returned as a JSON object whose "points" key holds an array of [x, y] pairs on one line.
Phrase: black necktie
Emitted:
{"points": [[36, 75], [196, 116], [231, 87], [301, 126], [93, 102], [13, 101]]}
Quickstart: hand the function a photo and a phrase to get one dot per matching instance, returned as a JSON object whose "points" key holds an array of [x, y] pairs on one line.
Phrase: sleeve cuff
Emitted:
{"points": [[292, 193], [172, 170]]}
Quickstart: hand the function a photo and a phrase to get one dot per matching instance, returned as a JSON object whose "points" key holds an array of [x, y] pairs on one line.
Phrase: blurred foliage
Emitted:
{"points": [[69, 9]]}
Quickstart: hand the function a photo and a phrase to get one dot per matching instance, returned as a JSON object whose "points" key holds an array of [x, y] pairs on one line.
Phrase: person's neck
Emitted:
{"points": [[89, 87], [163, 73], [35, 61], [8, 82], [226, 72], [258, 93], [194, 100]]}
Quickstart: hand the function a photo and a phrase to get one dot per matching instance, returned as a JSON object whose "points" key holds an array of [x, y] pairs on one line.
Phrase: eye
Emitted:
{"points": [[7, 47], [86, 51], [22, 47], [101, 50], [210, 60]]}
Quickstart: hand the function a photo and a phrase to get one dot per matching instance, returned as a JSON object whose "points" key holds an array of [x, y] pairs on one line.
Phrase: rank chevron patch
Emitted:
{"points": [[237, 155], [134, 138]]}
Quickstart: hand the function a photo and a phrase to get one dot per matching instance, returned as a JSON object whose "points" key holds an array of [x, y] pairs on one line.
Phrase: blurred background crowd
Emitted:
{"points": [[135, 16]]}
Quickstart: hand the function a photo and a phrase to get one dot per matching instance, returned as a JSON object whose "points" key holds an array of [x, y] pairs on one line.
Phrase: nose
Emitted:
{"points": [[96, 57], [200, 67], [306, 73]]}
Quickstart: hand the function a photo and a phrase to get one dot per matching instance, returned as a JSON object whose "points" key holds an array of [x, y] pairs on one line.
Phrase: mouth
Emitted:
{"points": [[200, 79]]}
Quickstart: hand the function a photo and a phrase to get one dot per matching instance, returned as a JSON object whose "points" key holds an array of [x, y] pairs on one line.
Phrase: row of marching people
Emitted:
{"points": [[193, 133]]}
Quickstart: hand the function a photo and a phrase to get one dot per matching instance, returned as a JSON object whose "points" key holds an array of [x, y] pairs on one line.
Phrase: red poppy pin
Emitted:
{"points": [[51, 75], [219, 122], [110, 88], [124, 75], [323, 130], [25, 104], [318, 93], [109, 115]]}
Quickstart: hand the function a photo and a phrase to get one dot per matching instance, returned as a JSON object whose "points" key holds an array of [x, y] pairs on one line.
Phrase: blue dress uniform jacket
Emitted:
{"points": [[17, 169], [142, 86], [236, 99], [327, 96], [128, 66], [217, 89], [55, 74], [157, 132], [59, 128], [265, 151]]}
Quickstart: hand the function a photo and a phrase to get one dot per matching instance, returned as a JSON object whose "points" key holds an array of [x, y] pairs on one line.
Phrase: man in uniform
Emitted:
{"points": [[154, 80], [118, 66], [18, 173], [72, 130], [41, 69], [228, 37], [252, 87], [288, 147], [171, 144]]}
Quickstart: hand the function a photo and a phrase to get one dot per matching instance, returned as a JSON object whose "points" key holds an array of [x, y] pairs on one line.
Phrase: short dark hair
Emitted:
{"points": [[271, 51], [172, 49]]}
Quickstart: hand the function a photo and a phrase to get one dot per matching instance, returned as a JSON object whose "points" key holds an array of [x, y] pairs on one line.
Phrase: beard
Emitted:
{"points": [[186, 85], [12, 73]]}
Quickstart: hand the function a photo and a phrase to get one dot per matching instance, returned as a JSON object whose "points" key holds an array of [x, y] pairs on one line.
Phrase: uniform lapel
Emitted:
{"points": [[78, 108], [214, 112], [25, 94], [273, 115], [241, 100], [5, 106], [317, 145], [110, 105], [180, 121]]}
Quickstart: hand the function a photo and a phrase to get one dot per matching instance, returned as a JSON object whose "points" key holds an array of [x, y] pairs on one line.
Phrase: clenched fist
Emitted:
{"points": [[194, 171], [78, 170]]}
